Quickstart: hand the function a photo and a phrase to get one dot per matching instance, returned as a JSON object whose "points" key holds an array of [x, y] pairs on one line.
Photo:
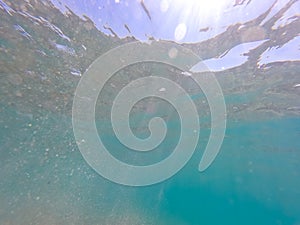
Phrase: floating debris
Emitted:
{"points": [[127, 28], [54, 28], [64, 48], [145, 9], [6, 8], [23, 32], [296, 85], [185, 73], [294, 108], [241, 2], [204, 29], [75, 72]]}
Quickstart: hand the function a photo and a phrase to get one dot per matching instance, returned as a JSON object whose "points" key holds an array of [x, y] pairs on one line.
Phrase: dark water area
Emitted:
{"points": [[44, 179]]}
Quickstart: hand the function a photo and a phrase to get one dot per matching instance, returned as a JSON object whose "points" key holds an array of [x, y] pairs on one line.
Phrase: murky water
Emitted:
{"points": [[43, 177]]}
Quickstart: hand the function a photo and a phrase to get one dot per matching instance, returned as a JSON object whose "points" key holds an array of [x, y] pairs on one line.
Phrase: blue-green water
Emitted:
{"points": [[44, 179], [254, 180]]}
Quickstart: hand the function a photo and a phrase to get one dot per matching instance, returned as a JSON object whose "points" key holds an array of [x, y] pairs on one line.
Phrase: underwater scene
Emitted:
{"points": [[140, 112]]}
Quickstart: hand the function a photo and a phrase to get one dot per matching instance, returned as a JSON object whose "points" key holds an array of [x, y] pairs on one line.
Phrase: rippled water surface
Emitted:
{"points": [[47, 46]]}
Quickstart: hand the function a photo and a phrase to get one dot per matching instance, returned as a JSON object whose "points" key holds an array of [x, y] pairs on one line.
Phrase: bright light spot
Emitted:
{"points": [[196, 14], [173, 53], [164, 5], [117, 1], [185, 73], [296, 85], [180, 32]]}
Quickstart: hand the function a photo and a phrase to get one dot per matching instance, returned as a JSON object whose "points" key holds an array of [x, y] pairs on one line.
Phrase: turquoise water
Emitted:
{"points": [[44, 179]]}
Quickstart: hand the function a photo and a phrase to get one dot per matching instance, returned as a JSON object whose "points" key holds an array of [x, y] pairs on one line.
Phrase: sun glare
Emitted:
{"points": [[194, 13]]}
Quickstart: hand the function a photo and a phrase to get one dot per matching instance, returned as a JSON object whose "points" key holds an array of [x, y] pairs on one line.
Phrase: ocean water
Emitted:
{"points": [[44, 179]]}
